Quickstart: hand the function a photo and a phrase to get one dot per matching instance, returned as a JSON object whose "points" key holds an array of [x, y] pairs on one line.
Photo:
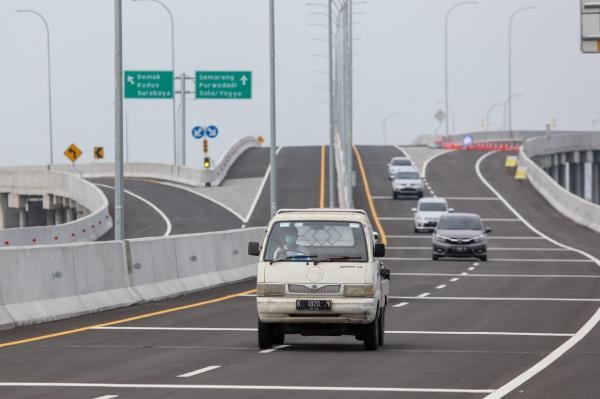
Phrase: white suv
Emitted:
{"points": [[319, 273], [428, 213]]}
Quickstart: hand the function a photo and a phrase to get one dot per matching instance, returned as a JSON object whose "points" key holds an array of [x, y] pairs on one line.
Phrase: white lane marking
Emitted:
{"points": [[391, 218], [395, 218], [464, 274], [472, 298], [453, 280], [490, 238], [107, 397], [492, 249], [508, 260], [260, 189], [206, 197], [175, 329], [381, 197], [200, 371], [558, 352], [472, 198], [586, 276], [441, 286], [476, 264], [471, 268], [400, 305], [248, 295], [548, 360], [428, 160], [150, 204], [423, 295], [273, 349], [238, 387], [511, 334]]}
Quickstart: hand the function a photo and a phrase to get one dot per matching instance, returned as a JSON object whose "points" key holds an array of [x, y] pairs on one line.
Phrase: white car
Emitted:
{"points": [[428, 213], [320, 273], [407, 182], [396, 164]]}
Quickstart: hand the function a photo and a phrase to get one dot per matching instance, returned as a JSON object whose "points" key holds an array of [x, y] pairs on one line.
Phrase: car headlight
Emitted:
{"points": [[263, 289], [480, 238], [439, 237], [359, 290]]}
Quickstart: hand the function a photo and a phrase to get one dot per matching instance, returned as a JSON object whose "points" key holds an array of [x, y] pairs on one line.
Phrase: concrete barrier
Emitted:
{"points": [[572, 206], [148, 170], [42, 182], [45, 283]]}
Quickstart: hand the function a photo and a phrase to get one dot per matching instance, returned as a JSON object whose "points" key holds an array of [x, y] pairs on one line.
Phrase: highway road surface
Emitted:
{"points": [[521, 325]]}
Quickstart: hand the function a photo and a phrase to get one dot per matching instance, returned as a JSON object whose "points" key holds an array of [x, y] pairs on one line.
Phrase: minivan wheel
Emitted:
{"points": [[265, 335], [372, 335], [381, 329], [483, 258]]}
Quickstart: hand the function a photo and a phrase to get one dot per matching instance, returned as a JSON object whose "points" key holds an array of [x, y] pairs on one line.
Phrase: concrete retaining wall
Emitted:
{"points": [[572, 206], [45, 283], [29, 182]]}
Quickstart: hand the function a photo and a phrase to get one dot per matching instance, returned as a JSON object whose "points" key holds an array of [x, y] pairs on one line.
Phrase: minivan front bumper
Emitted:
{"points": [[343, 311]]}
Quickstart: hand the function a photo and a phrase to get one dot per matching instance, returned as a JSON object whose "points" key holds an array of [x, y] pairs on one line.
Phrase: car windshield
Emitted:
{"points": [[407, 176], [319, 241], [401, 162], [433, 207], [460, 223]]}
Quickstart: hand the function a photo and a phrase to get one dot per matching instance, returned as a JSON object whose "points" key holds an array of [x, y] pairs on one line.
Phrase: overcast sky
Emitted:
{"points": [[398, 69]]}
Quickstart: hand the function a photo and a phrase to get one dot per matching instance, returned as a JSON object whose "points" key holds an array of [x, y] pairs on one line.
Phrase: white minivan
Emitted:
{"points": [[320, 273]]}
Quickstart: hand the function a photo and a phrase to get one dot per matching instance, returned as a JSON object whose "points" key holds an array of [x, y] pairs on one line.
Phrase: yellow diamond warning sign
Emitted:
{"points": [[73, 152]]}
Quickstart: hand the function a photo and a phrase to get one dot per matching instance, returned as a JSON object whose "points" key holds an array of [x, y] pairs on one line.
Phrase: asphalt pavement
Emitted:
{"points": [[455, 328]]}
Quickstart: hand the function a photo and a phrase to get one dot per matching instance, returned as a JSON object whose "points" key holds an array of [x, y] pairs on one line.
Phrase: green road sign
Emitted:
{"points": [[148, 84], [224, 85]]}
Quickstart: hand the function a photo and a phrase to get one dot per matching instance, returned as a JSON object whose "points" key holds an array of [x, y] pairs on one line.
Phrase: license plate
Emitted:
{"points": [[311, 304], [459, 249]]}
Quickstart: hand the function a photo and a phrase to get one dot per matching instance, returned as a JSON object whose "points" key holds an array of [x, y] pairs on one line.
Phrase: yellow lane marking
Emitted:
{"points": [[120, 321], [363, 175], [322, 193]]}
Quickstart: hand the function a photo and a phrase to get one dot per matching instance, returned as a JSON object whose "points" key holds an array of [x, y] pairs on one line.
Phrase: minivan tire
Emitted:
{"points": [[483, 258], [381, 332], [372, 335], [265, 335]]}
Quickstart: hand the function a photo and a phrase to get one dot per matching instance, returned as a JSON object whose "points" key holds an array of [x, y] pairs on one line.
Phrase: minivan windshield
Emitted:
{"points": [[433, 207], [460, 223], [401, 162], [407, 176], [319, 241]]}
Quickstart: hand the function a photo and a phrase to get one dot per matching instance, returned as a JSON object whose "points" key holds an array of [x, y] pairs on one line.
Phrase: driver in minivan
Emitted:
{"points": [[289, 248]]}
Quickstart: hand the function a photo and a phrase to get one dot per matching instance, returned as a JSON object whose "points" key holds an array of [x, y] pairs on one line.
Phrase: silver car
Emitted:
{"points": [[460, 235], [396, 164], [428, 213], [407, 182]]}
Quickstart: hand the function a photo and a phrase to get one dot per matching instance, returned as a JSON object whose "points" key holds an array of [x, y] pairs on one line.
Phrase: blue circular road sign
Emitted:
{"points": [[468, 140], [198, 132], [212, 131]]}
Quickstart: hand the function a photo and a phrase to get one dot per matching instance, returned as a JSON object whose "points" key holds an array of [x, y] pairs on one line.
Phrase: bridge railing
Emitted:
{"points": [[44, 283]]}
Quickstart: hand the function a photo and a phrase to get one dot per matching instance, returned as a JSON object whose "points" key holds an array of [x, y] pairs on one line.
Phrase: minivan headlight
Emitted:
{"points": [[263, 289], [359, 290]]}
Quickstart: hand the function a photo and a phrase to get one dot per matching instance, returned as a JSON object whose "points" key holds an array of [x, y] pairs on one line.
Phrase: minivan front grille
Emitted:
{"points": [[306, 289]]}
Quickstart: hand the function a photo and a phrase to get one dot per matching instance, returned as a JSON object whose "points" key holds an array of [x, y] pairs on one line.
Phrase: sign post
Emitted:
{"points": [[224, 85]]}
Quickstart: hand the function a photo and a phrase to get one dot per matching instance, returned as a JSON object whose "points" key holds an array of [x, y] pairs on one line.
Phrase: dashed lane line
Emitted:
{"points": [[238, 387], [453, 280], [273, 349], [441, 286], [496, 275], [215, 329], [401, 304], [107, 397], [510, 334], [423, 295], [199, 371]]}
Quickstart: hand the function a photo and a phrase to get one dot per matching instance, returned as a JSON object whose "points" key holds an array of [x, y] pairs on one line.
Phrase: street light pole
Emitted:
{"points": [[163, 5], [510, 25], [446, 102], [119, 225], [331, 106], [50, 127], [385, 121], [273, 148]]}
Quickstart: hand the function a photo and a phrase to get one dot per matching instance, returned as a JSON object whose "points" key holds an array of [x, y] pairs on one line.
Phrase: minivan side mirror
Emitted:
{"points": [[488, 230], [375, 236], [413, 210], [253, 248], [450, 210], [379, 250]]}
